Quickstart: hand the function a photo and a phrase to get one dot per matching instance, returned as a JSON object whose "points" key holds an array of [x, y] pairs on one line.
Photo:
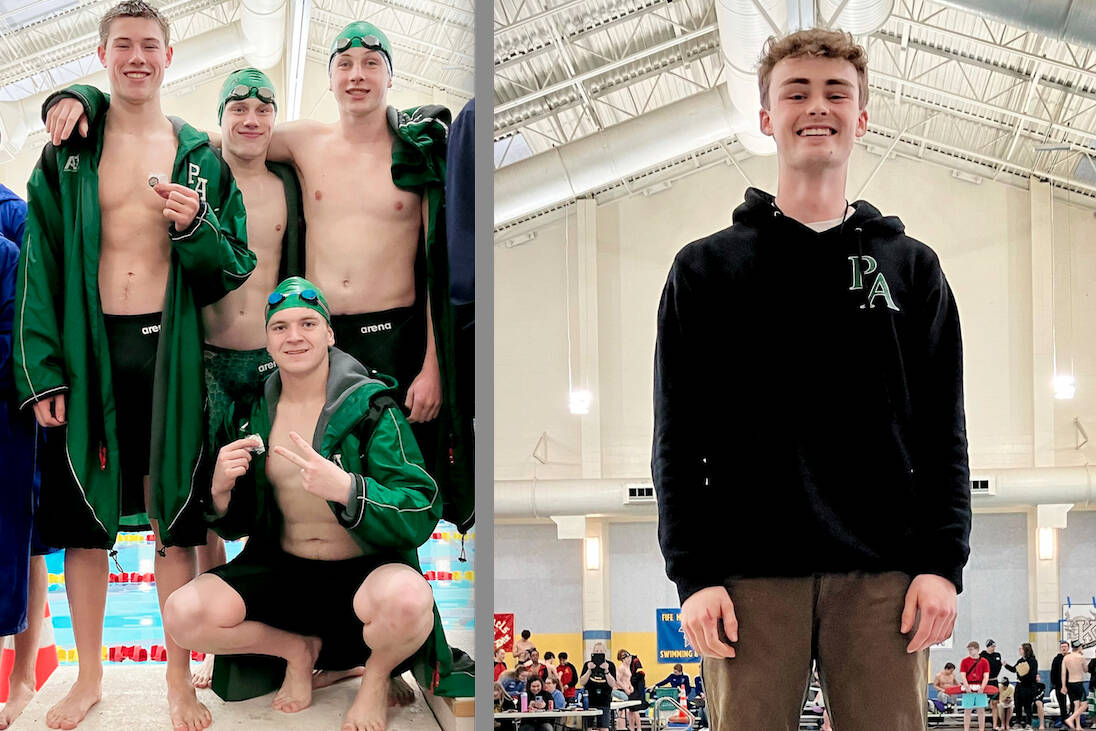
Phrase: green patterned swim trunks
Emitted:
{"points": [[232, 376]]}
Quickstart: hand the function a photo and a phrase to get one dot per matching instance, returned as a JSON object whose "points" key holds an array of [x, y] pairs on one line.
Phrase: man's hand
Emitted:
{"points": [[62, 117], [424, 394], [50, 411], [181, 204], [700, 615], [931, 600], [319, 476], [233, 460]]}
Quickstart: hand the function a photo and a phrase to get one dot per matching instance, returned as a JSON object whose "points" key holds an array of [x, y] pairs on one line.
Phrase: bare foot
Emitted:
{"points": [[19, 695], [296, 691], [71, 709], [400, 693], [369, 711], [203, 676], [324, 678], [187, 712]]}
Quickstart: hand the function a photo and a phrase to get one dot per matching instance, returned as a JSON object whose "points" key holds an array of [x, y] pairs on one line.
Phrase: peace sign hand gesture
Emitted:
{"points": [[319, 476]]}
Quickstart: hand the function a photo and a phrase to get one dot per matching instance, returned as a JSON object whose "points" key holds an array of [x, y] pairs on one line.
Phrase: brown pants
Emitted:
{"points": [[847, 622]]}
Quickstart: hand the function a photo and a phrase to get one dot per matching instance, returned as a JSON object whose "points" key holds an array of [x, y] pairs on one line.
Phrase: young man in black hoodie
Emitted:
{"points": [[808, 383]]}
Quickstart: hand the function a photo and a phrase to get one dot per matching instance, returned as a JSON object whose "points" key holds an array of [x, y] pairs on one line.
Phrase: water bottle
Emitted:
{"points": [[524, 701], [585, 700]]}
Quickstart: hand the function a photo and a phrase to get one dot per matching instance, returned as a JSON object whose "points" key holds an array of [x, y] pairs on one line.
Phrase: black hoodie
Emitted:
{"points": [[809, 404]]}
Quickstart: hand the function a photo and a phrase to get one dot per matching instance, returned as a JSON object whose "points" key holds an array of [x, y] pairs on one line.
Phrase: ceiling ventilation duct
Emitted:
{"points": [[1072, 21], [569, 171]]}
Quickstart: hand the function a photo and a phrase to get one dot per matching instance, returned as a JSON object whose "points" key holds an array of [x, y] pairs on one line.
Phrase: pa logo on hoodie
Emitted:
{"points": [[879, 287]]}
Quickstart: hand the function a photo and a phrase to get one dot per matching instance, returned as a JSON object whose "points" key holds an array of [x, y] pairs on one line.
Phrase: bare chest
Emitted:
{"points": [[356, 183], [124, 170], [264, 198]]}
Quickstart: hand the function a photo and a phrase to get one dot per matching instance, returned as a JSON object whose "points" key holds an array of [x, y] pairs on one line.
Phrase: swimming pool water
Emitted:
{"points": [[133, 614]]}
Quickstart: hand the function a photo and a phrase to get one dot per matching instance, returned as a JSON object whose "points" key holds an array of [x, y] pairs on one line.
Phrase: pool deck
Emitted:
{"points": [[134, 699]]}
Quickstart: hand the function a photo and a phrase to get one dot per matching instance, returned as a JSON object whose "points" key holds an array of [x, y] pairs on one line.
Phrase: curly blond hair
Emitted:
{"points": [[816, 42]]}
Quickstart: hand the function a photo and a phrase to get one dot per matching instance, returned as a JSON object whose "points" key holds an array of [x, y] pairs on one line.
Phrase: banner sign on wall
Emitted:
{"points": [[504, 632], [1079, 623], [672, 647]]}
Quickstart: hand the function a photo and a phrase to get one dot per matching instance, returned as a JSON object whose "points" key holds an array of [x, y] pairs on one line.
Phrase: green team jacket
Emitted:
{"points": [[394, 506], [418, 164], [60, 337]]}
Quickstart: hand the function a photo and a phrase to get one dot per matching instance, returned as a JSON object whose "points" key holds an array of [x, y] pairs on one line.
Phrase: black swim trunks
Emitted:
{"points": [[392, 342], [305, 597], [232, 376], [1076, 691], [132, 341]]}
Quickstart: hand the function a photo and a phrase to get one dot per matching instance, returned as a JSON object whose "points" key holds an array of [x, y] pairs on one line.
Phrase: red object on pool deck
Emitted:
{"points": [[44, 665], [958, 690]]}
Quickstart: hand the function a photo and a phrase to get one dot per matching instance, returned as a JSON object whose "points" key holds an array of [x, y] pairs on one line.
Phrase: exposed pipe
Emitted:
{"points": [[566, 172], [263, 24], [1014, 488], [20, 118], [1072, 21]]}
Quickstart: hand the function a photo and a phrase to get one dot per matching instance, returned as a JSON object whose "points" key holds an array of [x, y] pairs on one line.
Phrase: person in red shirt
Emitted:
{"points": [[973, 672], [568, 676], [500, 662]]}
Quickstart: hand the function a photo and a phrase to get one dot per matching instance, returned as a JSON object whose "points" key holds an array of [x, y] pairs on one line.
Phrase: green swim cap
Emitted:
{"points": [[364, 35], [258, 85], [297, 292]]}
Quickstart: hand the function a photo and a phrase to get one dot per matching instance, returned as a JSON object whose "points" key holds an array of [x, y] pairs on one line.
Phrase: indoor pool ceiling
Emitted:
{"points": [[988, 99], [46, 43]]}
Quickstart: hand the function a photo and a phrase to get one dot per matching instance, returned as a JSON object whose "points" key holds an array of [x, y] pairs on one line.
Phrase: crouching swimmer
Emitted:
{"points": [[329, 577]]}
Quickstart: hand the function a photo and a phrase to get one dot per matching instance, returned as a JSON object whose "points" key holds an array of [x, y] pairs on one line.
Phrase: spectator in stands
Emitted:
{"points": [[537, 669], [1064, 705], [638, 691], [524, 644], [995, 664], [945, 679], [599, 678], [1006, 699], [538, 701], [513, 681], [500, 662], [504, 702], [1027, 675], [676, 679], [568, 676], [973, 672], [1039, 694], [551, 687]]}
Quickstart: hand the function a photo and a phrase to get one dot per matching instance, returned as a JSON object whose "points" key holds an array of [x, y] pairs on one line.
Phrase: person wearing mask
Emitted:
{"points": [[1027, 675], [599, 677]]}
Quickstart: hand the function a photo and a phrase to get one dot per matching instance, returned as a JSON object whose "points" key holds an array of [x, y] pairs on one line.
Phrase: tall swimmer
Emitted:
{"points": [[374, 203], [861, 454], [329, 576], [158, 233]]}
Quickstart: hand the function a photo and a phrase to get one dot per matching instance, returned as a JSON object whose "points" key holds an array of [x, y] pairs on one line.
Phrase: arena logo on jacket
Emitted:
{"points": [[879, 286]]}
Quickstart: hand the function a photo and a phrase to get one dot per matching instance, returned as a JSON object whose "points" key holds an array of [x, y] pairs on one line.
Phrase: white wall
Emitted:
{"points": [[981, 232], [538, 578], [638, 583], [1077, 558]]}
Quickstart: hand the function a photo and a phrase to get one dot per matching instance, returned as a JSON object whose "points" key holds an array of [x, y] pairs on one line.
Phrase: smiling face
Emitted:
{"points": [[135, 56], [360, 81], [297, 339], [246, 126], [814, 112]]}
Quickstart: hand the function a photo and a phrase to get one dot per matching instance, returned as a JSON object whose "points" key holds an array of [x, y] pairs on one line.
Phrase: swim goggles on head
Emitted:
{"points": [[371, 42], [242, 91], [310, 296]]}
